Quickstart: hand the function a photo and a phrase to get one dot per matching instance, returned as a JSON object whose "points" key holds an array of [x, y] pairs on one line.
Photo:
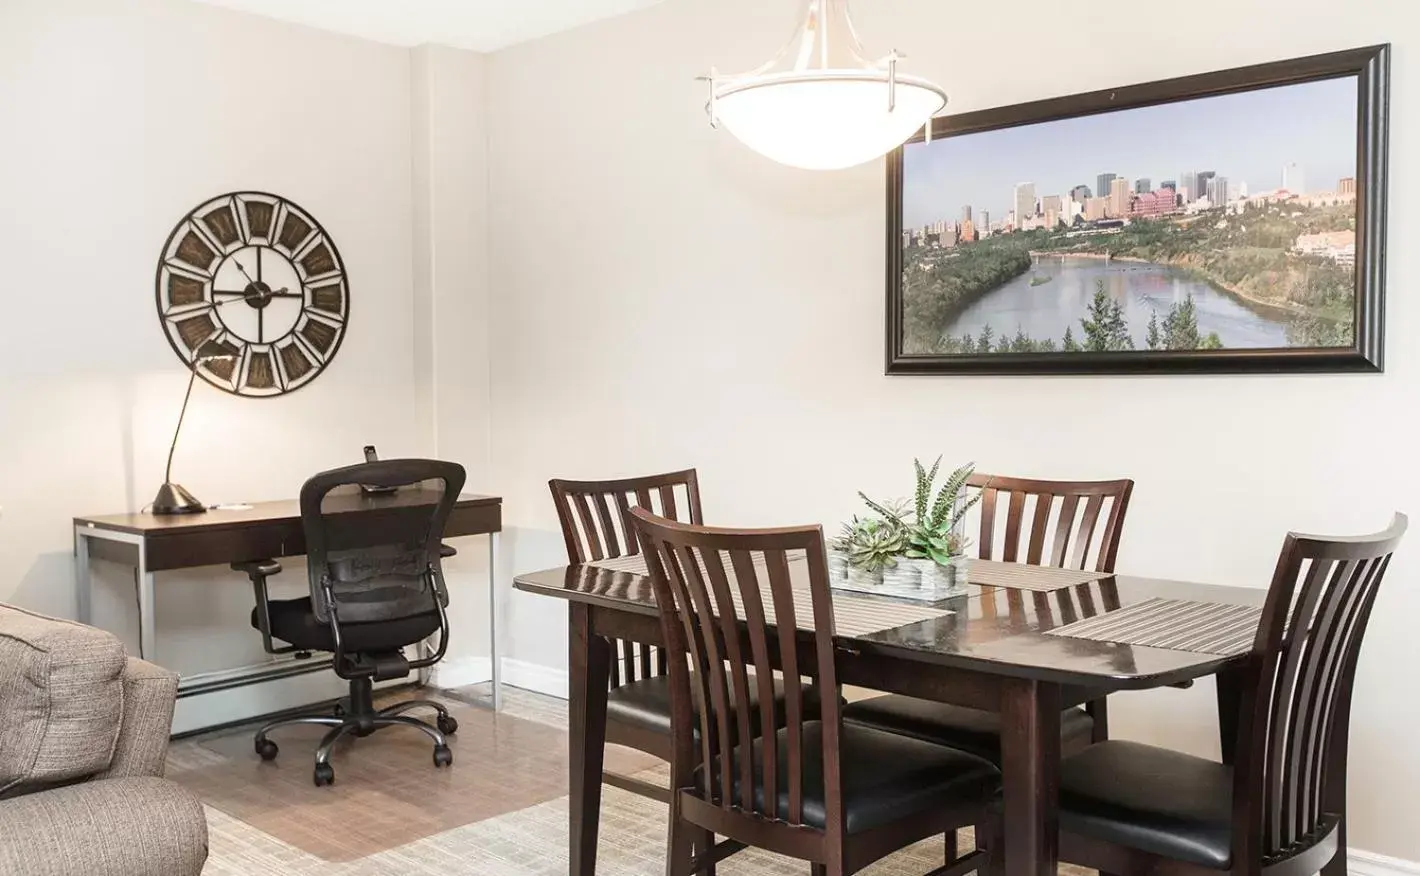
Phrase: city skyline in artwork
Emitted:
{"points": [[1196, 225], [1299, 137]]}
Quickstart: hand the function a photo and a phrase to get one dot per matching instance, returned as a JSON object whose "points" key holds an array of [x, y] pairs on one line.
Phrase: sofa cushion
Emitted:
{"points": [[117, 827], [61, 700]]}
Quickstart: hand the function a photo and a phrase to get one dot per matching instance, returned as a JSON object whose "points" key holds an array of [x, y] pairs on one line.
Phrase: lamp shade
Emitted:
{"points": [[827, 122], [820, 104]]}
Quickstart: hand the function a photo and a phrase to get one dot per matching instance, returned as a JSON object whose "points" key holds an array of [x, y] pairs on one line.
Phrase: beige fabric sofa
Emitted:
{"points": [[83, 734]]}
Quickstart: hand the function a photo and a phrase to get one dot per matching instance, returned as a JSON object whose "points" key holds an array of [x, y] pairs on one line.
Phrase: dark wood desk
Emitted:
{"points": [[151, 544], [991, 653]]}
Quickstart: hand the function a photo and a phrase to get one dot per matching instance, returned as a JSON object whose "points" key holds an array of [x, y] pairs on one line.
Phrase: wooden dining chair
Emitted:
{"points": [[1080, 523], [838, 795], [1279, 808], [596, 524]]}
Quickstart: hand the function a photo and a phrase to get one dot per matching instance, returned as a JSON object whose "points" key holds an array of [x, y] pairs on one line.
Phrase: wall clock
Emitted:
{"points": [[255, 276]]}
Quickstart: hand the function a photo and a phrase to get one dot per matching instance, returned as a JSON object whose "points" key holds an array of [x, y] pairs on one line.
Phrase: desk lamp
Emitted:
{"points": [[172, 498]]}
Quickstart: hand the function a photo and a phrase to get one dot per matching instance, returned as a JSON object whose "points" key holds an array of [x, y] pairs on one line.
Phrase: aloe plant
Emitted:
{"points": [[930, 528]]}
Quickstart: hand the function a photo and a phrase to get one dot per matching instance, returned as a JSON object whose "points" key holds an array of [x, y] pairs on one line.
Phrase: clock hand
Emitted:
{"points": [[243, 270], [247, 297]]}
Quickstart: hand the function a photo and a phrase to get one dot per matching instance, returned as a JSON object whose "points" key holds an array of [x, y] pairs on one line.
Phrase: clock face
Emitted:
{"points": [[254, 277]]}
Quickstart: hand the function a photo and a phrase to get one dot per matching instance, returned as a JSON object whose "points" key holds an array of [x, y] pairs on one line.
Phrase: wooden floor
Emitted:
{"points": [[387, 792]]}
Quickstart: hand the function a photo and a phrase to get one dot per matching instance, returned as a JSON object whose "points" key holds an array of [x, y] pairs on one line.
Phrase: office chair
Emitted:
{"points": [[373, 554]]}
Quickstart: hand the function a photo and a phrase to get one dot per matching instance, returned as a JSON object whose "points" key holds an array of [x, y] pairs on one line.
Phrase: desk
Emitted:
{"points": [[992, 653], [151, 544]]}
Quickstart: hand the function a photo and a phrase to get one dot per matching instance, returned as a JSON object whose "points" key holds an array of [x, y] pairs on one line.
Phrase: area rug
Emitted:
{"points": [[501, 810]]}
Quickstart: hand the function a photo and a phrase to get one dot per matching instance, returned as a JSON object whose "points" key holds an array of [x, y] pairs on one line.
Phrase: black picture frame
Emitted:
{"points": [[1370, 66]]}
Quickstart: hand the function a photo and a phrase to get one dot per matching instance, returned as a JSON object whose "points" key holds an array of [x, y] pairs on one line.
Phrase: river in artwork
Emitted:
{"points": [[1055, 295]]}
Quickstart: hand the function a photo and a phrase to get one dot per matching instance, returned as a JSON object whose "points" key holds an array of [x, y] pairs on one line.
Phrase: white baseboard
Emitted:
{"points": [[463, 671], [244, 703], [535, 677], [1363, 863]]}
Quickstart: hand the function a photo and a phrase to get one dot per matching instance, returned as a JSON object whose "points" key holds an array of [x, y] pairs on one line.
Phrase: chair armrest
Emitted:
{"points": [[149, 693], [119, 826], [447, 550], [258, 571], [263, 568], [1183, 685]]}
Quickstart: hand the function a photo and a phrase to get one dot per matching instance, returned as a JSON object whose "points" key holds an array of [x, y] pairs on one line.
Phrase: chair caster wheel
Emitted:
{"points": [[267, 749], [447, 725], [324, 775], [443, 756]]}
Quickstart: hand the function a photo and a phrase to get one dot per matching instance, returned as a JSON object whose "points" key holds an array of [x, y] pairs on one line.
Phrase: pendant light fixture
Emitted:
{"points": [[820, 103]]}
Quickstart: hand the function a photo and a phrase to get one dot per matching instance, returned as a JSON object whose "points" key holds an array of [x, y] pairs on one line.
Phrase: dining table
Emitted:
{"points": [[1008, 646]]}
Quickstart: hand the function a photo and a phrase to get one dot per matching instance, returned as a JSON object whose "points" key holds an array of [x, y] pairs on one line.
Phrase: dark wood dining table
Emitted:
{"points": [[992, 652]]}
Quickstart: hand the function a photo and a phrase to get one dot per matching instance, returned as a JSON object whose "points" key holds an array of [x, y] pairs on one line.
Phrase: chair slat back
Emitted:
{"points": [[1064, 516], [713, 586], [596, 524], [1301, 669]]}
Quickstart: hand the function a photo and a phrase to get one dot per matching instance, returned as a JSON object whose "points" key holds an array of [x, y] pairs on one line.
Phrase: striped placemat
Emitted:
{"points": [[1041, 579], [1176, 624], [852, 616]]}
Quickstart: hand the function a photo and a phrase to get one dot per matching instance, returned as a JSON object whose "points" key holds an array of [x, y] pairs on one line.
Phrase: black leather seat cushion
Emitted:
{"points": [[1159, 801], [886, 777], [293, 620], [646, 704], [968, 729]]}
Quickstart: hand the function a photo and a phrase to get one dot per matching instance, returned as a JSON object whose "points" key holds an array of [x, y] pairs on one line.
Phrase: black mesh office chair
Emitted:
{"points": [[377, 587]]}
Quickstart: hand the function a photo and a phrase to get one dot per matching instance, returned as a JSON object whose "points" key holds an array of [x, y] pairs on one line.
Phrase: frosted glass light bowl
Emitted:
{"points": [[825, 119]]}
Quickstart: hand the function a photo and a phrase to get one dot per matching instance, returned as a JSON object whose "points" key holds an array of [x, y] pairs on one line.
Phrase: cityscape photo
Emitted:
{"points": [[1218, 223]]}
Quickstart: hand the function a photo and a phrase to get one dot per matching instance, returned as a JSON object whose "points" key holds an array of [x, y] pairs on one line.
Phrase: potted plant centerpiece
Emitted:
{"points": [[934, 544], [871, 548]]}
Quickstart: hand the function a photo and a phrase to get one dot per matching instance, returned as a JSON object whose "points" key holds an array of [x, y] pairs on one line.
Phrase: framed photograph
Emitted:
{"points": [[1231, 221]]}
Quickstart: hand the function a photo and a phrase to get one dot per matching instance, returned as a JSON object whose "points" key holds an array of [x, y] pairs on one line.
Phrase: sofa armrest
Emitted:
{"points": [[120, 827], [149, 693]]}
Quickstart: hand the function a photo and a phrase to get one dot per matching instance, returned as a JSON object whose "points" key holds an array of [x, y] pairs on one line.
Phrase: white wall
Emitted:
{"points": [[117, 119], [662, 297], [451, 313]]}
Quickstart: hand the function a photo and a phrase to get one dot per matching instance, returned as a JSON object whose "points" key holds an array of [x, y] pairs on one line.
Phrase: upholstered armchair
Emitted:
{"points": [[83, 734]]}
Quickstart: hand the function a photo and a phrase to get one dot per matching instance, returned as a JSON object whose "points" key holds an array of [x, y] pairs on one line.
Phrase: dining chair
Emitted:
{"points": [[596, 525], [1066, 516], [1278, 809], [837, 795]]}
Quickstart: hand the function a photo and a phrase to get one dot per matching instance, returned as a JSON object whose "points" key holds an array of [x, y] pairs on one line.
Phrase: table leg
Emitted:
{"points": [[1030, 768], [1230, 702], [493, 621], [147, 611], [83, 583], [590, 663]]}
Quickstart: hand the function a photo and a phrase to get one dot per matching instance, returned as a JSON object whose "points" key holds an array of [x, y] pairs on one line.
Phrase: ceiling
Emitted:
{"points": [[480, 25]]}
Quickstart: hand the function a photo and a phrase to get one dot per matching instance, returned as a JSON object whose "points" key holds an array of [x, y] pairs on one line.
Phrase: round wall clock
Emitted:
{"points": [[252, 294]]}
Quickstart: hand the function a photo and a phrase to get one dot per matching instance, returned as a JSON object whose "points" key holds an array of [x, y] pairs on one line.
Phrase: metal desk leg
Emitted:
{"points": [[147, 617], [425, 649], [493, 621], [83, 583]]}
